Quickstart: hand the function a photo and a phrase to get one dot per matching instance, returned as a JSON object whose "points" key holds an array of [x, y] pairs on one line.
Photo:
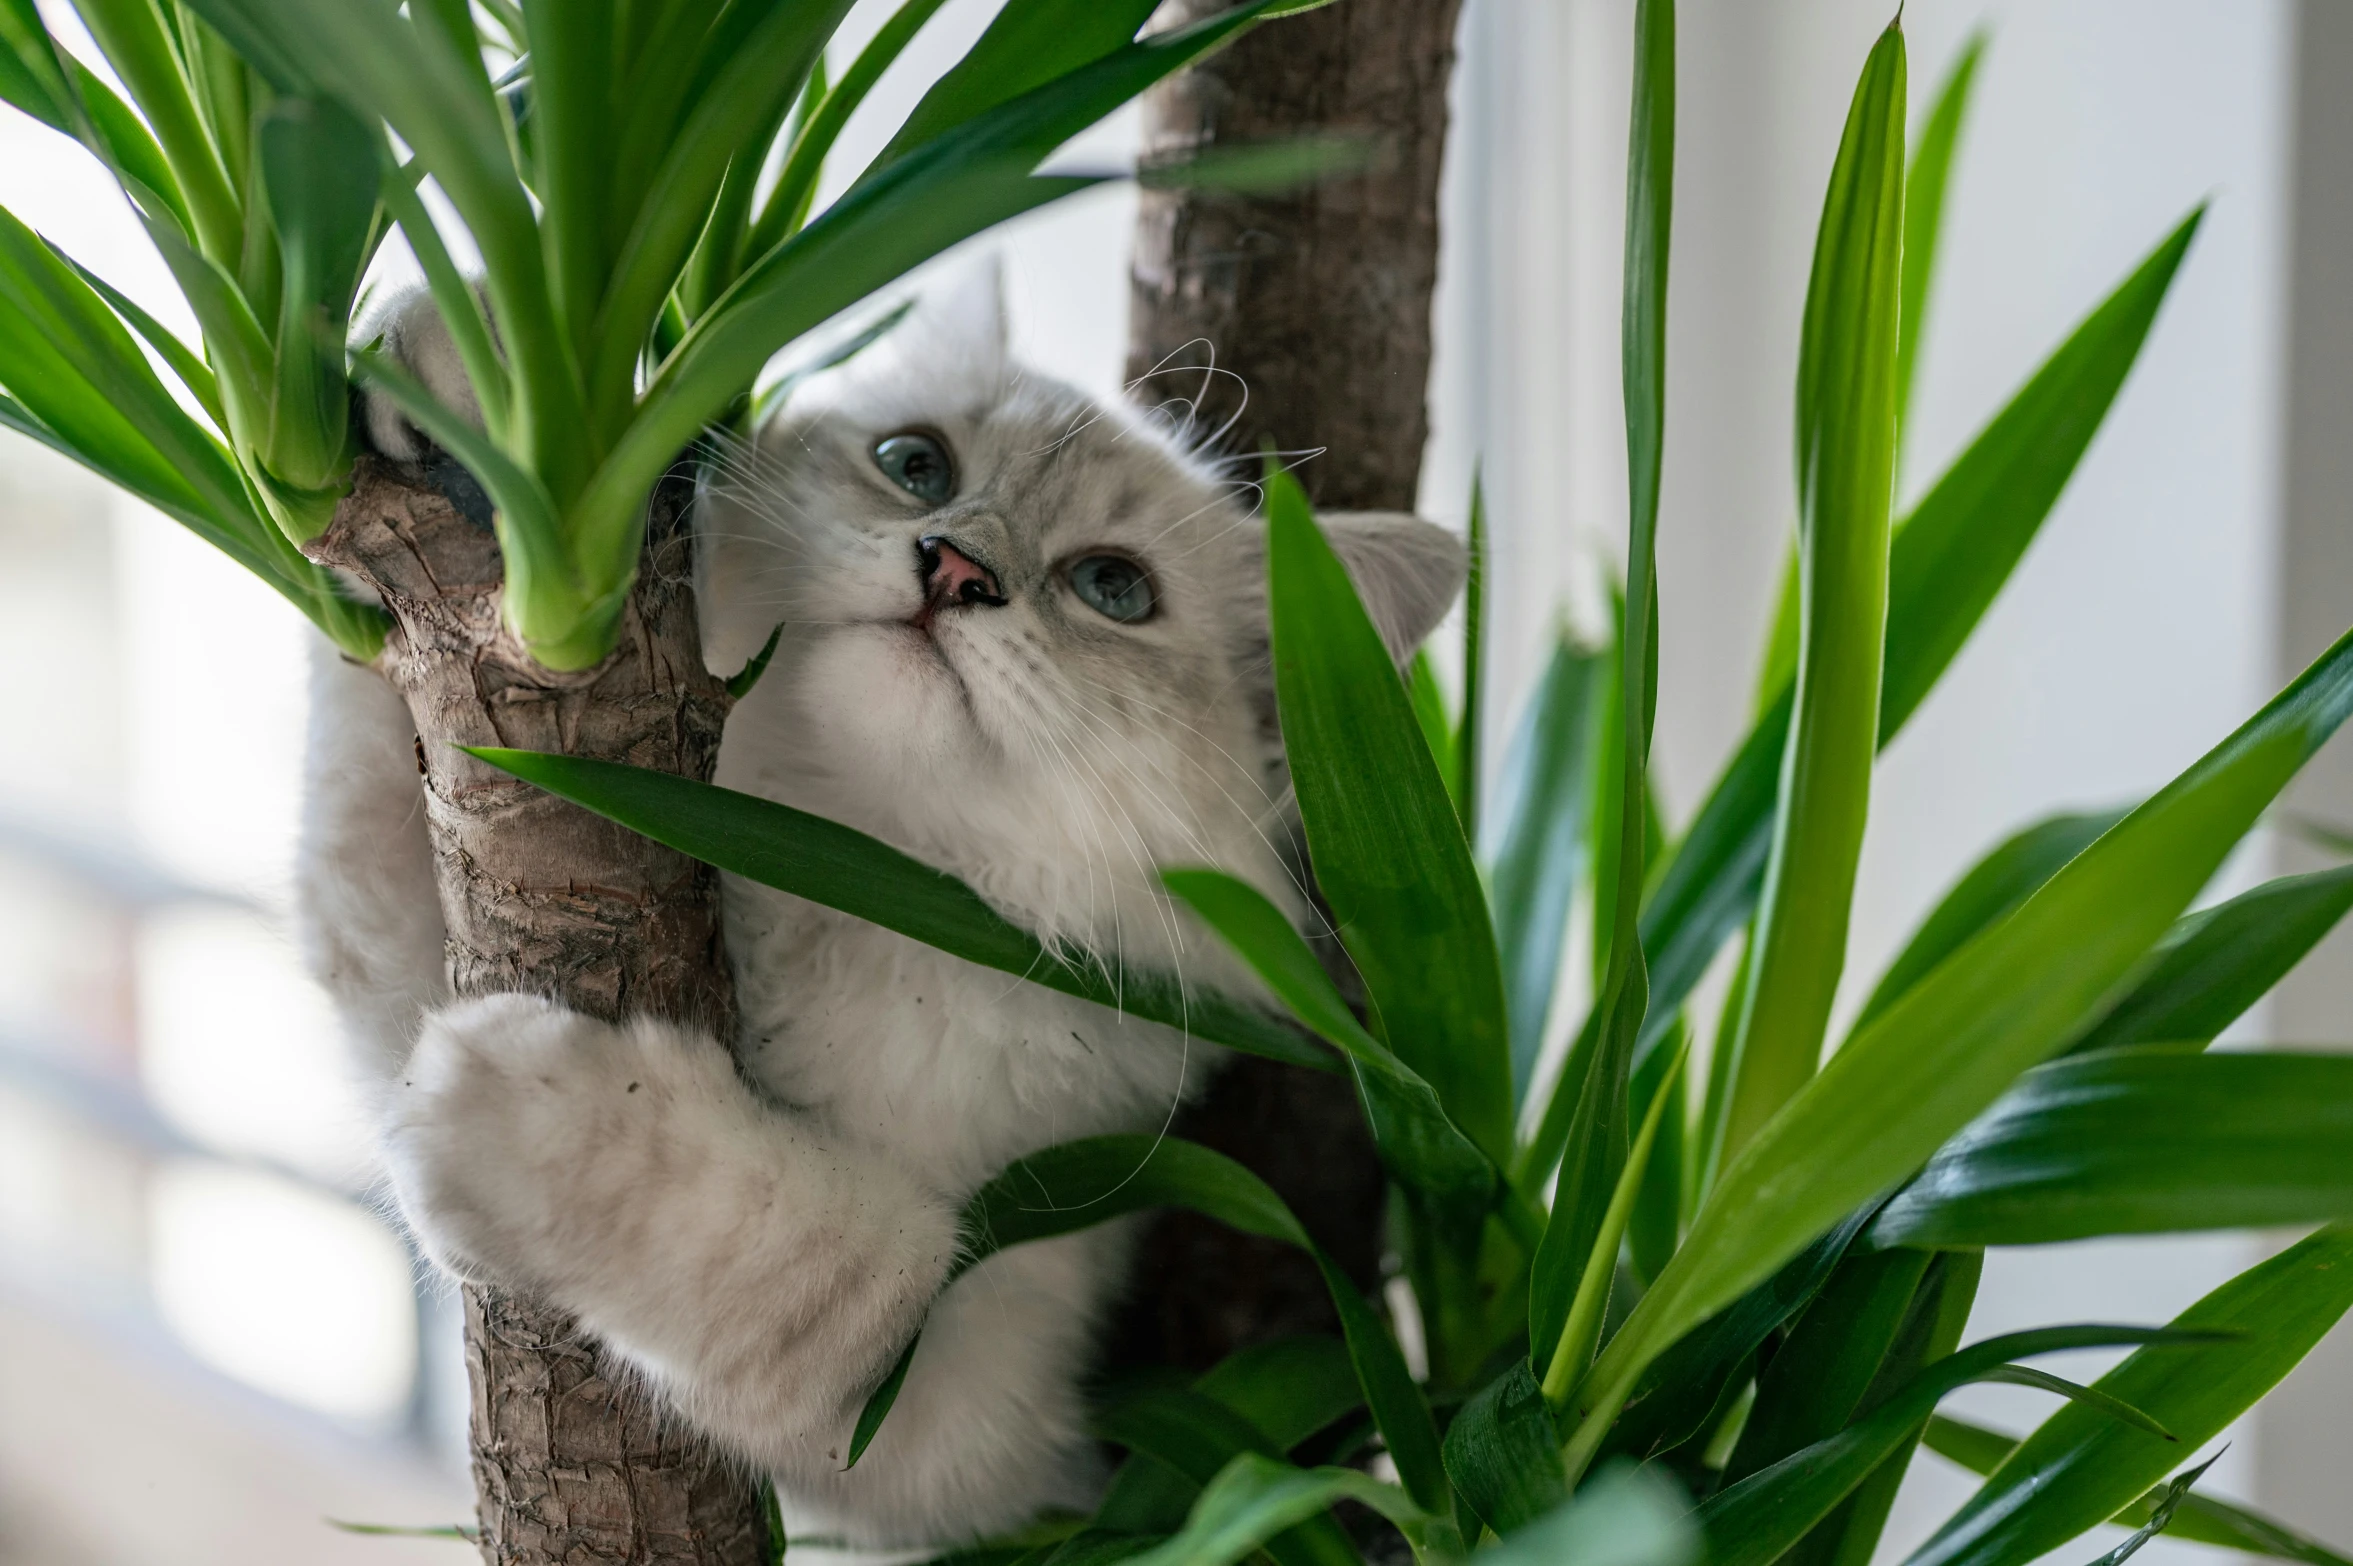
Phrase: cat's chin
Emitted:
{"points": [[884, 700]]}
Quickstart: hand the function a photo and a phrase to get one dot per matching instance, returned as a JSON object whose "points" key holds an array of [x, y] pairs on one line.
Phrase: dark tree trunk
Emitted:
{"points": [[573, 1463], [1318, 301]]}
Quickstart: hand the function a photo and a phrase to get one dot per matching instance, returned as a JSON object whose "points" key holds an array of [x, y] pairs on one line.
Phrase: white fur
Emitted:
{"points": [[761, 1236], [412, 333], [370, 915]]}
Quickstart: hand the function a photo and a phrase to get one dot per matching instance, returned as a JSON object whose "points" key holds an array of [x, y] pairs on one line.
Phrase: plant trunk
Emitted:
{"points": [[574, 1462], [1318, 301]]}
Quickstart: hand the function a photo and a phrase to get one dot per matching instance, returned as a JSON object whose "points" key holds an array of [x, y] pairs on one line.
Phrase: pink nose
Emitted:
{"points": [[950, 576]]}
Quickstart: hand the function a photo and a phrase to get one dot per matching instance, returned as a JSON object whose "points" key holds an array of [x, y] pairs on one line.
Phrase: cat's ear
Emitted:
{"points": [[958, 335], [1406, 570]]}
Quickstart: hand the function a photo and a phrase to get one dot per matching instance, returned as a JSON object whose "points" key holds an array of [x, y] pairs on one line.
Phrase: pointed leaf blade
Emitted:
{"points": [[2080, 1468], [831, 864], [2140, 1142], [1387, 847]]}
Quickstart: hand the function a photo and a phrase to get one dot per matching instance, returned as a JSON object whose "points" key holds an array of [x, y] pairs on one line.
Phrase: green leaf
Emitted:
{"points": [[29, 76], [2199, 1518], [1092, 1548], [235, 343], [2080, 1468], [1777, 669], [64, 411], [1925, 180], [1398, 1408], [72, 363], [318, 165], [1199, 1437], [1946, 563], [749, 93], [1924, 203], [1957, 548], [1626, 1516], [1464, 781], [1988, 894], [740, 683], [1254, 1499], [2090, 1397], [63, 94], [1077, 1185], [83, 387], [2160, 1515], [1417, 1143], [2215, 964], [722, 247], [1430, 716], [1821, 1372], [878, 1403], [579, 132], [434, 94], [1656, 1227], [778, 392], [130, 34], [2320, 834], [1263, 167], [1027, 44], [1388, 851], [1671, 1403], [1754, 1522], [1903, 1084], [1597, 1081], [946, 190], [787, 207], [2136, 1142], [397, 1531], [772, 1518], [1503, 1452], [83, 422], [835, 866], [459, 301], [540, 586], [1579, 1317], [1536, 842], [2204, 1519], [1849, 1536], [319, 170], [183, 361], [1287, 1389], [1846, 420]]}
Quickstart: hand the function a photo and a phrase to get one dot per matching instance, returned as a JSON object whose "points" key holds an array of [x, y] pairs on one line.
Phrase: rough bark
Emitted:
{"points": [[1318, 302], [573, 1463], [1317, 299]]}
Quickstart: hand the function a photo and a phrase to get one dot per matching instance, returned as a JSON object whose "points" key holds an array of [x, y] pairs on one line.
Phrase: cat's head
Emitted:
{"points": [[1024, 632]]}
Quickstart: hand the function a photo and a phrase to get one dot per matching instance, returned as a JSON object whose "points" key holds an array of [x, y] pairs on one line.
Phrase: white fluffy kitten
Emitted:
{"points": [[1024, 640]]}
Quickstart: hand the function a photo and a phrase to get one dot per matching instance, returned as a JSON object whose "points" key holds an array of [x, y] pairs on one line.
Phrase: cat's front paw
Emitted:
{"points": [[518, 1126], [413, 335]]}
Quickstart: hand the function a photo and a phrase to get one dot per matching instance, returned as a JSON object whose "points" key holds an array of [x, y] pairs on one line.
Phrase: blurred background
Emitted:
{"points": [[211, 1339]]}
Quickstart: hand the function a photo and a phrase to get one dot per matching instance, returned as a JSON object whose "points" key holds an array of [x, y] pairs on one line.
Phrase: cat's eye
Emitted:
{"points": [[1114, 585], [917, 463]]}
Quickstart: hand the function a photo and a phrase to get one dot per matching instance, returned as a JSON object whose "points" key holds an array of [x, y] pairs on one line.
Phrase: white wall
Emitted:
{"points": [[2147, 620]]}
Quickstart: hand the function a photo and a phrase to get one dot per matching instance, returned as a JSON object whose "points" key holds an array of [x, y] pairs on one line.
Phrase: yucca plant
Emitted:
{"points": [[638, 179], [641, 260], [1667, 1309]]}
